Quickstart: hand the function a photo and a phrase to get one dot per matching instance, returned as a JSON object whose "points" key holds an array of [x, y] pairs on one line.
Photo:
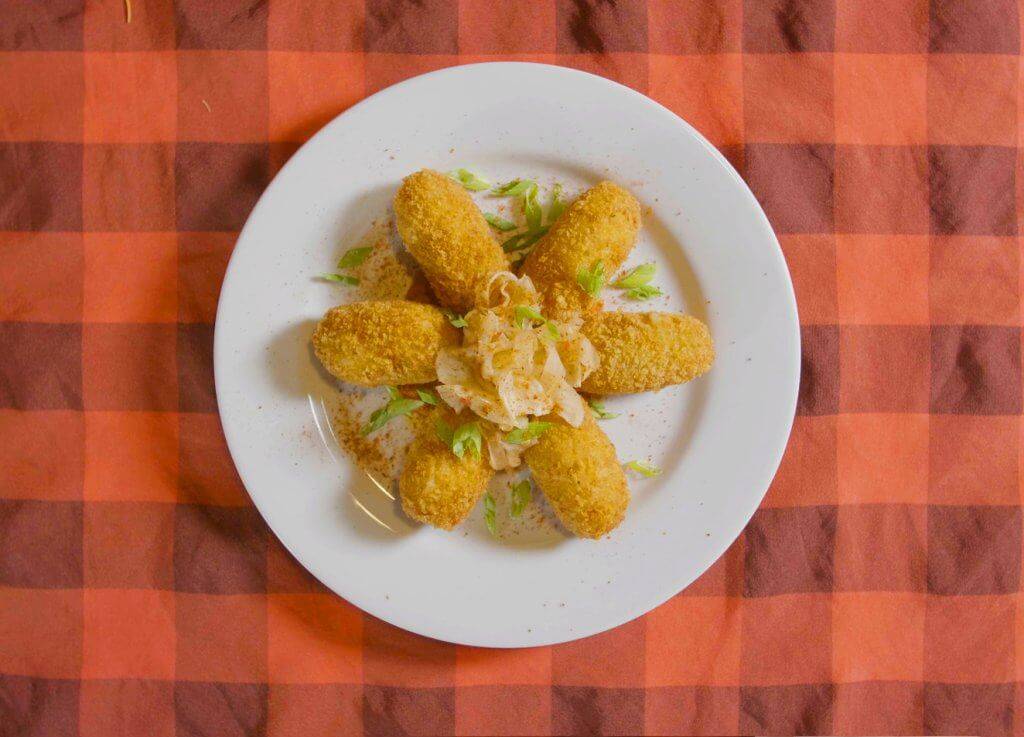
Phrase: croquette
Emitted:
{"points": [[601, 225], [436, 486], [383, 342], [446, 233], [580, 475], [646, 351]]}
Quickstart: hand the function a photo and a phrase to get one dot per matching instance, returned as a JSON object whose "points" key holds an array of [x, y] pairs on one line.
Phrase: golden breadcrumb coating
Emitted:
{"points": [[437, 487], [446, 233], [383, 342], [601, 225], [579, 473], [646, 351]]}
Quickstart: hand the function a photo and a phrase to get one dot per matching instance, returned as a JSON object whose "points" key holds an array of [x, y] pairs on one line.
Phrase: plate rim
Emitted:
{"points": [[780, 441]]}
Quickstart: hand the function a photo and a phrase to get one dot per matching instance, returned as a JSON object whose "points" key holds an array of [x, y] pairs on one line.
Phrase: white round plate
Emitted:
{"points": [[719, 439]]}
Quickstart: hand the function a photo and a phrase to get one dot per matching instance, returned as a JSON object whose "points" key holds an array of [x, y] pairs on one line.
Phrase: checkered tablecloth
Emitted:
{"points": [[877, 590]]}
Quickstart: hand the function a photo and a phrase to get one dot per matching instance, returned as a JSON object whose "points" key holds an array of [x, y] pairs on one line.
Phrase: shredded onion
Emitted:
{"points": [[510, 369]]}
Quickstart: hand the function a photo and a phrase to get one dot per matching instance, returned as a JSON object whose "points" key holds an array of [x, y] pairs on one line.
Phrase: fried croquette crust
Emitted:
{"points": [[601, 225], [446, 233], [579, 473], [436, 487], [646, 351], [383, 342]]}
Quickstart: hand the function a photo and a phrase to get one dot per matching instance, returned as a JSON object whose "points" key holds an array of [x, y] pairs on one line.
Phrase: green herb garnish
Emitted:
{"points": [[533, 430], [467, 437], [345, 279], [515, 188], [393, 393], [532, 210], [469, 180], [426, 397], [526, 314], [644, 469], [489, 519], [391, 410], [636, 278], [552, 330], [591, 280], [557, 204], [522, 494], [456, 320], [498, 222], [464, 437], [645, 291], [354, 257], [599, 411], [523, 240]]}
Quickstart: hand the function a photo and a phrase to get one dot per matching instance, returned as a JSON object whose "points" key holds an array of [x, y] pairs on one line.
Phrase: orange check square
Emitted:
{"points": [[882, 279], [882, 458], [477, 666], [128, 634], [316, 709], [313, 638], [129, 97], [882, 26], [606, 660], [126, 707], [788, 98], [384, 70], [222, 96], [896, 535], [882, 189], [307, 90], [705, 90], [316, 25], [970, 639], [40, 276], [207, 474], [202, 261], [36, 110], [884, 368], [392, 655], [128, 187], [128, 545], [974, 280], [131, 456], [877, 636], [222, 637], [972, 99], [694, 26], [786, 640], [152, 25], [880, 99], [42, 632], [503, 710], [33, 468], [692, 710], [878, 708], [807, 474], [974, 459], [694, 640], [130, 277], [486, 27], [812, 265]]}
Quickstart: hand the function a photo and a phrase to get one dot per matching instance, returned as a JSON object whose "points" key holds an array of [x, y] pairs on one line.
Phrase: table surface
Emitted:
{"points": [[875, 591]]}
